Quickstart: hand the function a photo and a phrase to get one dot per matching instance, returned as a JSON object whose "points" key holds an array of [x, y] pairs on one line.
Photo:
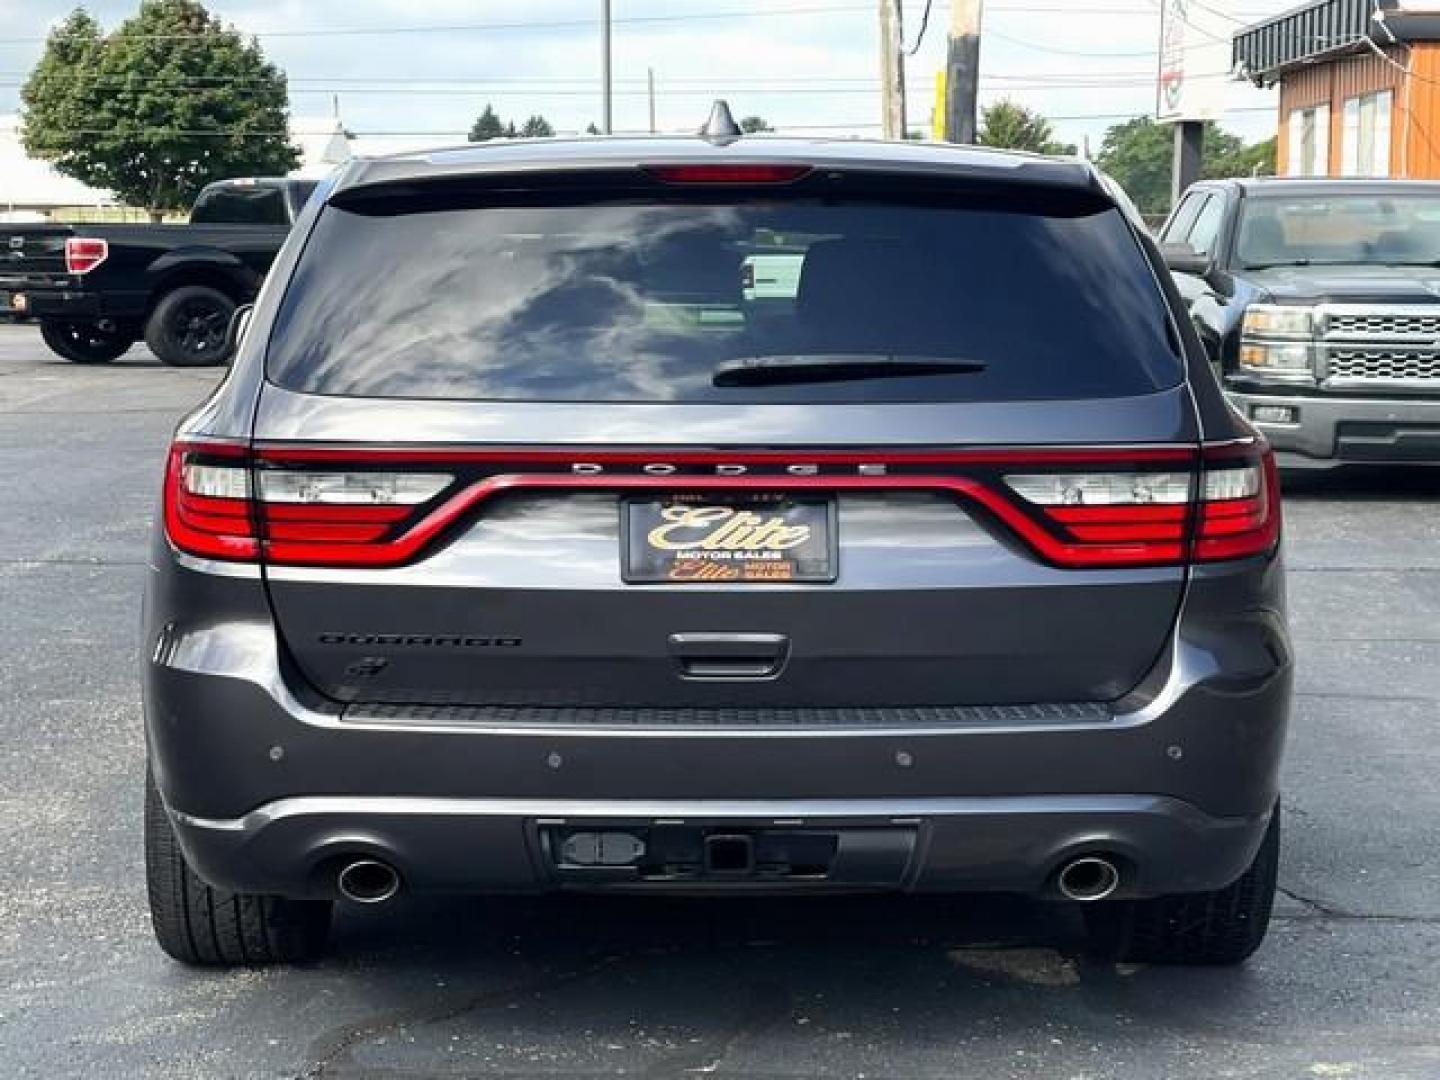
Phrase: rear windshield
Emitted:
{"points": [[240, 204], [657, 301]]}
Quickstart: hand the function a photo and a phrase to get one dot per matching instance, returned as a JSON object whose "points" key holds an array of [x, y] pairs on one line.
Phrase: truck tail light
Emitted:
{"points": [[84, 253]]}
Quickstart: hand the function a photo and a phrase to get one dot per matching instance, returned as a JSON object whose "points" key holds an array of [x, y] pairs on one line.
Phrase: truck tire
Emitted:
{"points": [[188, 327], [198, 924], [85, 343], [1222, 927]]}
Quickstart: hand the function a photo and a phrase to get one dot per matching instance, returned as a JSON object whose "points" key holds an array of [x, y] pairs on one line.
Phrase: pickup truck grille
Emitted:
{"points": [[1384, 365], [1373, 326], [1379, 347]]}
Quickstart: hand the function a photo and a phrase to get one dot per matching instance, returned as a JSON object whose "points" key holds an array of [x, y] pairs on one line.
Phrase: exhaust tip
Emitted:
{"points": [[1088, 879], [367, 881]]}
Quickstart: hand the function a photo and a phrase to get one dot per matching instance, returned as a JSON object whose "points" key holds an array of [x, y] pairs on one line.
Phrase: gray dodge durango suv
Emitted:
{"points": [[525, 548]]}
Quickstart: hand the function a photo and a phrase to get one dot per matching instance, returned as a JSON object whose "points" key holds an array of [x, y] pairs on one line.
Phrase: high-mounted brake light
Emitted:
{"points": [[728, 173], [84, 253]]}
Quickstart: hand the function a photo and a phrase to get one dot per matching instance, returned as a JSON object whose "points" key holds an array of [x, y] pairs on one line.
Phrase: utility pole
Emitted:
{"points": [[1188, 159], [892, 70], [650, 91], [607, 124], [962, 70]]}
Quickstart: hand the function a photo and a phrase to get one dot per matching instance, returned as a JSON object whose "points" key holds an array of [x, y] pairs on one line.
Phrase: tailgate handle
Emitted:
{"points": [[730, 656]]}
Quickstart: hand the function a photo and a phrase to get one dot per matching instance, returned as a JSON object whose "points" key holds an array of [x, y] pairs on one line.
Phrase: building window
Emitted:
{"points": [[1365, 135], [1309, 152]]}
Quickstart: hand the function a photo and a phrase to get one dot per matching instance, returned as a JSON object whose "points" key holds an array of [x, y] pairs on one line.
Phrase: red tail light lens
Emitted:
{"points": [[1229, 510], [1075, 508], [208, 511], [83, 254], [219, 506], [728, 174], [1239, 512], [1135, 517], [342, 517]]}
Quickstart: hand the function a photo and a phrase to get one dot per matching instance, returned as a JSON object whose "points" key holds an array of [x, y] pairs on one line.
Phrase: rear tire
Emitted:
{"points": [[189, 327], [85, 343], [1222, 927], [198, 924]]}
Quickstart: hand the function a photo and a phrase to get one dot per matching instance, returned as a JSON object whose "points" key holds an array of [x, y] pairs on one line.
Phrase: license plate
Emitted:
{"points": [[709, 539]]}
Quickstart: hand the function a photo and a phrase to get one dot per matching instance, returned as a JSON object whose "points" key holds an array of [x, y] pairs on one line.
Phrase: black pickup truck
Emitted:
{"points": [[1319, 303], [97, 289]]}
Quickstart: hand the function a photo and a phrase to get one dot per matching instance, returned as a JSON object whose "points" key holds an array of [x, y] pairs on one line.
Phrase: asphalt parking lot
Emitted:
{"points": [[1348, 985]]}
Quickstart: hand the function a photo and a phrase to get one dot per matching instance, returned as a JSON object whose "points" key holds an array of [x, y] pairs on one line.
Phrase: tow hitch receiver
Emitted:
{"points": [[644, 854], [729, 853]]}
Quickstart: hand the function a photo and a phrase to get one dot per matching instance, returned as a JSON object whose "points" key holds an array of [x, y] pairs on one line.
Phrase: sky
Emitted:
{"points": [[807, 66]]}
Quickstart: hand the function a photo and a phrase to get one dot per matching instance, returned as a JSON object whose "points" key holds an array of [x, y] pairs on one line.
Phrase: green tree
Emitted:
{"points": [[591, 129], [1011, 126], [753, 125], [488, 126], [1234, 158], [167, 103], [1139, 154]]}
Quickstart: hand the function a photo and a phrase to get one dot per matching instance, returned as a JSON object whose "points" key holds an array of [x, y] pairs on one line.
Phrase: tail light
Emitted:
{"points": [[208, 510], [1239, 508], [343, 518], [83, 253], [1082, 508], [219, 505], [1228, 508]]}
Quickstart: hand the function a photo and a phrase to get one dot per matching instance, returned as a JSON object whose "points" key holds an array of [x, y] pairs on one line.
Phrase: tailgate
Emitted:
{"points": [[525, 592], [33, 252]]}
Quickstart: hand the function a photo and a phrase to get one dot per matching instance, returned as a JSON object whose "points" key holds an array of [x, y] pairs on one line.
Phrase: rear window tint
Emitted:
{"points": [[237, 204], [636, 301]]}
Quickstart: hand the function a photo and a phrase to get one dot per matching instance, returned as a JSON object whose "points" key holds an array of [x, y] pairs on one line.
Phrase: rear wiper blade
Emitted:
{"points": [[835, 367]]}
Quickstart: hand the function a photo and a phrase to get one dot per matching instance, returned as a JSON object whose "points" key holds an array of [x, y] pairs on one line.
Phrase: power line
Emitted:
{"points": [[920, 37], [570, 24], [226, 133], [367, 80], [1021, 8], [1025, 43]]}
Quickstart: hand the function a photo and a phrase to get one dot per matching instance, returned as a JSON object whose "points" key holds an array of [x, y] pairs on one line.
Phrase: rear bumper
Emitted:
{"points": [[268, 786], [1338, 430], [922, 845], [65, 304]]}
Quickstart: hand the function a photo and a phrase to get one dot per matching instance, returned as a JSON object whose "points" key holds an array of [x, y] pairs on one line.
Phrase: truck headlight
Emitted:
{"points": [[1277, 342], [1274, 321], [1276, 357]]}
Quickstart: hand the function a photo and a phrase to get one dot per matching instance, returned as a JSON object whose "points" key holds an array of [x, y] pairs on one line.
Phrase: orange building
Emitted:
{"points": [[1359, 86]]}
